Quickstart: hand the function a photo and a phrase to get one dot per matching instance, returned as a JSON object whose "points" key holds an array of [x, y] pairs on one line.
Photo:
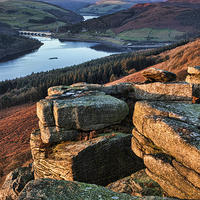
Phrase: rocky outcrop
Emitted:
{"points": [[167, 137], [194, 75], [100, 160], [61, 116], [15, 182], [57, 189], [158, 75], [57, 149]]}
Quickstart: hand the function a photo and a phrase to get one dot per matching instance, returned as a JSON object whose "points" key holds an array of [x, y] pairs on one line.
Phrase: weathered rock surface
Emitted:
{"points": [[174, 91], [158, 75], [58, 189], [194, 70], [194, 79], [101, 160], [15, 182], [90, 111], [167, 137], [138, 184]]}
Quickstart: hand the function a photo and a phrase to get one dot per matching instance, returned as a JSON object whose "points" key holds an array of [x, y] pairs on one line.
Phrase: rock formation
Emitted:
{"points": [[15, 182], [63, 116], [167, 137], [57, 189]]}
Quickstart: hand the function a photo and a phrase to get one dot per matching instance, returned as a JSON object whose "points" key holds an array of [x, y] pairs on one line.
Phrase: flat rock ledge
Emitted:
{"points": [[61, 118], [57, 189], [101, 160], [167, 137]]}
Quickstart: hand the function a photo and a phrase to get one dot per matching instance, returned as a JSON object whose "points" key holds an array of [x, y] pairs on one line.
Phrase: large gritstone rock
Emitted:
{"points": [[158, 75], [174, 91], [167, 137], [101, 160], [61, 118], [15, 182], [57, 189]]}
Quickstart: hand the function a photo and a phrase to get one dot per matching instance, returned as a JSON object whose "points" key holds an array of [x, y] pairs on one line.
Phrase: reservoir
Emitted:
{"points": [[52, 55]]}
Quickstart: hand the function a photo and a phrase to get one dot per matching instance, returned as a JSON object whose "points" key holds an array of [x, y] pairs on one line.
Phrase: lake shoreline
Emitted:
{"points": [[121, 47], [18, 53]]}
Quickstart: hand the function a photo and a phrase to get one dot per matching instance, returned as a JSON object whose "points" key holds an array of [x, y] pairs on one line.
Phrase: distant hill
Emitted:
{"points": [[73, 5], [105, 7], [162, 21], [33, 15]]}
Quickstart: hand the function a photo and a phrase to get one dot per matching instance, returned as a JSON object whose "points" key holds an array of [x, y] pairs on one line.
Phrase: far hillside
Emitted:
{"points": [[73, 5], [106, 7], [33, 15], [167, 21]]}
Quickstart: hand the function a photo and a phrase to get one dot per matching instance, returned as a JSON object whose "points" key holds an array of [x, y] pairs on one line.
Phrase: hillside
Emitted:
{"points": [[106, 7], [176, 60], [147, 22], [73, 5], [32, 15]]}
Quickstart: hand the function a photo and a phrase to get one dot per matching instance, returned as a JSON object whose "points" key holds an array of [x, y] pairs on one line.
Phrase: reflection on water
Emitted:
{"points": [[68, 54]]}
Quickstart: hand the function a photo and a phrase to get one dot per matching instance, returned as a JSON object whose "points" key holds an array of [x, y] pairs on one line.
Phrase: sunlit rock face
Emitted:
{"points": [[167, 137], [61, 118]]}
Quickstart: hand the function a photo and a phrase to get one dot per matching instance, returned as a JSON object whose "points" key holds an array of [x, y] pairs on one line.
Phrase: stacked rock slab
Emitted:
{"points": [[167, 137], [162, 86], [63, 116], [194, 75], [101, 160]]}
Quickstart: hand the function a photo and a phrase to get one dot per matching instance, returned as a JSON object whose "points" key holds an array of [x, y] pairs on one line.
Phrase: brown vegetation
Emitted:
{"points": [[16, 125]]}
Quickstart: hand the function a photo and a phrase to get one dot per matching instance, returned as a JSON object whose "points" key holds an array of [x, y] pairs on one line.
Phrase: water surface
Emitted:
{"points": [[66, 54]]}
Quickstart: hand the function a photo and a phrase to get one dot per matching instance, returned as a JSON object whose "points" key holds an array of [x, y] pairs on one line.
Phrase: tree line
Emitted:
{"points": [[34, 87]]}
